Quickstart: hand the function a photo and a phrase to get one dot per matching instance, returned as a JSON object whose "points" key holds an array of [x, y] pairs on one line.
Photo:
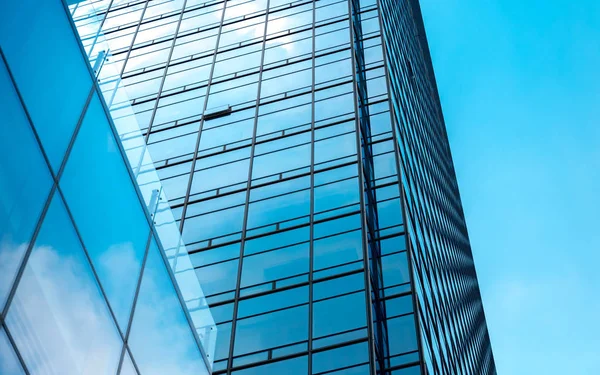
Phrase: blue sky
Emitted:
{"points": [[520, 89]]}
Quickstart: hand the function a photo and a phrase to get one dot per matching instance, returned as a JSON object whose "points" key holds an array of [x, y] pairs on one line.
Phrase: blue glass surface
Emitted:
{"points": [[58, 318], [339, 314], [161, 340], [340, 357], [127, 368], [395, 269], [219, 277], [389, 213], [339, 249], [294, 366], [271, 330], [279, 209], [404, 337], [106, 209], [277, 264], [9, 363], [49, 69], [223, 342], [24, 182], [414, 370]]}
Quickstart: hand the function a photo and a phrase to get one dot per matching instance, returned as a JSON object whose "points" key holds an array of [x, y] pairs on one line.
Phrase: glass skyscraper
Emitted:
{"points": [[297, 152]]}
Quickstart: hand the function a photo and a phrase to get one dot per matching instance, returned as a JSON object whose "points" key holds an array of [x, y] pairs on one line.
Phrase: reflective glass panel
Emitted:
{"points": [[106, 209], [24, 182], [414, 370], [271, 330], [340, 357], [49, 69], [161, 338], [339, 314], [127, 368], [9, 363], [404, 337], [294, 366], [58, 318]]}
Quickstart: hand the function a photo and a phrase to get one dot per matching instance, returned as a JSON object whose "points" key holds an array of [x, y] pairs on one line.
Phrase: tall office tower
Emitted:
{"points": [[302, 149]]}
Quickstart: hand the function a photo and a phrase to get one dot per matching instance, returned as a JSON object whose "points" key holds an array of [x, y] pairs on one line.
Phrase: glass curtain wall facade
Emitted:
{"points": [[84, 285], [453, 329], [302, 150]]}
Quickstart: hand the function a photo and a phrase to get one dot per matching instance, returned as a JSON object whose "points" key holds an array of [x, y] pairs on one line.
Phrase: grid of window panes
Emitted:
{"points": [[453, 329], [270, 126], [84, 285], [294, 232]]}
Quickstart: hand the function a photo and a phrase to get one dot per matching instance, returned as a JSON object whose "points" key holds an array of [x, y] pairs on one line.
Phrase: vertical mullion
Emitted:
{"points": [[400, 187], [246, 203], [311, 249], [186, 199], [126, 59], [99, 26], [164, 76], [367, 281]]}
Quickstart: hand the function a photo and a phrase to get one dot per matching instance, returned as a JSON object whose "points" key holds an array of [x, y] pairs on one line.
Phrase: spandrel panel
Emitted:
{"points": [[59, 318], [22, 194], [97, 185]]}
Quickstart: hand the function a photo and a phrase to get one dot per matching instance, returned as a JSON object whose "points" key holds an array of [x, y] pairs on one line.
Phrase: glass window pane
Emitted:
{"points": [[52, 76], [275, 265], [340, 357], [335, 195], [272, 301], [9, 363], [404, 337], [295, 366], [218, 278], [223, 342], [395, 269], [281, 161], [214, 225], [271, 330], [161, 339], [58, 318], [279, 209], [338, 249], [24, 183], [339, 314], [97, 185], [414, 370]]}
